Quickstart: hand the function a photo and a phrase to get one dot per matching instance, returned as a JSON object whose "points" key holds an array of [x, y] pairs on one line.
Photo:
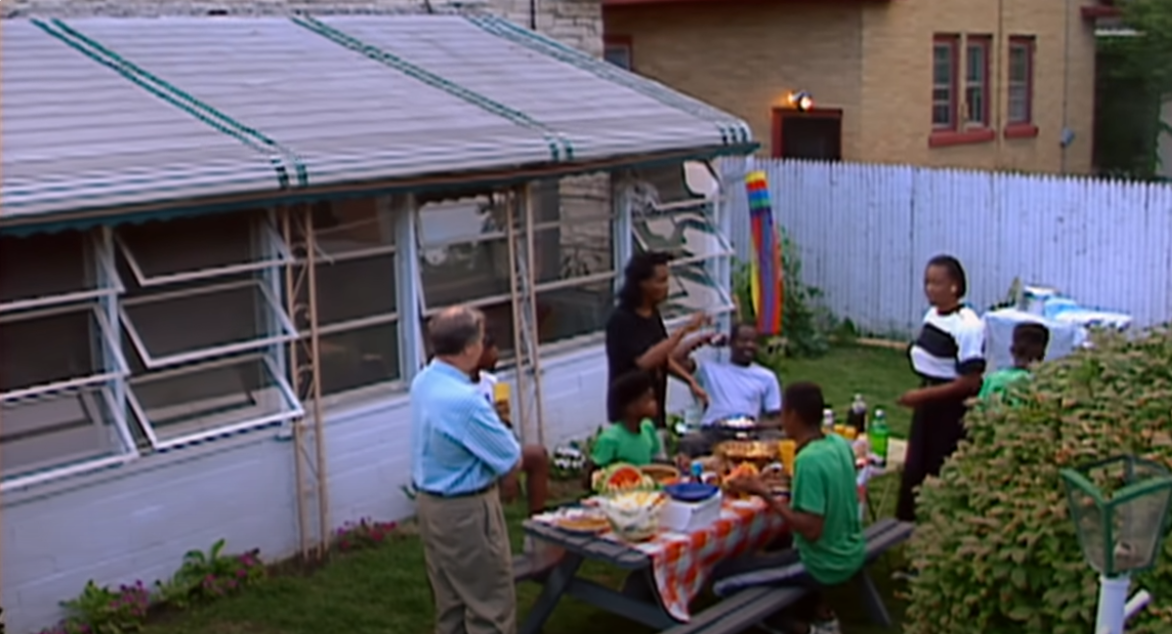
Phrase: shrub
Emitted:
{"points": [[805, 323], [995, 548]]}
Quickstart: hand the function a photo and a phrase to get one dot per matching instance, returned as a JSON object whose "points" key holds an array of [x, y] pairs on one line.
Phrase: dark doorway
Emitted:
{"points": [[815, 135]]}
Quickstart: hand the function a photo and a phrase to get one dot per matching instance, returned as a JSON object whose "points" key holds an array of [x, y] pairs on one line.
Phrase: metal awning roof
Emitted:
{"points": [[106, 113]]}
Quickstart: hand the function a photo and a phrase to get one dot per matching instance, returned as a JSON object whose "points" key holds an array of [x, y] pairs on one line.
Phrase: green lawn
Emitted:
{"points": [[384, 591]]}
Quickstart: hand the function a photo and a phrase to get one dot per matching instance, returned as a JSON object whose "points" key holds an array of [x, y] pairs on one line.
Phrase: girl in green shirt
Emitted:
{"points": [[633, 438]]}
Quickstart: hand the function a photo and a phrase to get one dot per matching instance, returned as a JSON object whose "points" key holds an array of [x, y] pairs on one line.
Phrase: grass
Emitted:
{"points": [[384, 590]]}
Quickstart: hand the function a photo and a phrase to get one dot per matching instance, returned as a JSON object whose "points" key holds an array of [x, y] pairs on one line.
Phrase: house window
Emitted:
{"points": [[976, 81], [617, 51], [945, 54], [59, 358], [1021, 81], [203, 326], [465, 258]]}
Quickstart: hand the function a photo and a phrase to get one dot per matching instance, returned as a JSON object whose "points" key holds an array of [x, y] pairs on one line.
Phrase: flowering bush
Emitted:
{"points": [[101, 610], [365, 533], [210, 575]]}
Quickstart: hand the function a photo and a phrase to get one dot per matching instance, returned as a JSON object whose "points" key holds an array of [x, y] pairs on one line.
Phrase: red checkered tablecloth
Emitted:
{"points": [[683, 562]]}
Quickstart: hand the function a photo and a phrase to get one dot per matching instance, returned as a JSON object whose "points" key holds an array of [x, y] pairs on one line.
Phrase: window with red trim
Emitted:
{"points": [[976, 81], [1021, 81], [945, 62], [617, 51]]}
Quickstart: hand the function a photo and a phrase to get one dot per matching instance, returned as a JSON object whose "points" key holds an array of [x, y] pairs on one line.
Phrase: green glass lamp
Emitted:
{"points": [[1120, 509]]}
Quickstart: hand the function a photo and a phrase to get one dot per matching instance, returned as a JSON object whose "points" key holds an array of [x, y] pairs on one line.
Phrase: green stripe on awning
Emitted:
{"points": [[560, 147], [219, 121]]}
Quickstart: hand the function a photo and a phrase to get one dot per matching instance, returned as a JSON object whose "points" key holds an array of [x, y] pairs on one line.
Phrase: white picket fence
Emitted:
{"points": [[864, 233]]}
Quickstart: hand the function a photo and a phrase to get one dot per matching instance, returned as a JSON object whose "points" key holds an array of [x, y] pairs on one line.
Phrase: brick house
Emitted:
{"points": [[985, 85]]}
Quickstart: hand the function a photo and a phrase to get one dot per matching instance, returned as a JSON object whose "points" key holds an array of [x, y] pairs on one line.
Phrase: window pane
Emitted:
{"points": [[455, 265], [49, 349], [942, 64], [1019, 64], [47, 432], [942, 95], [43, 265], [191, 244], [204, 399], [573, 250], [352, 224], [942, 114], [1019, 111], [975, 99], [976, 64], [618, 55], [357, 358], [575, 311], [458, 220], [688, 233], [693, 290], [351, 289], [197, 322]]}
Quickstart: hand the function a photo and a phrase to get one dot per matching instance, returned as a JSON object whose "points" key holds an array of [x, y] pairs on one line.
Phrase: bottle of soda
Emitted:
{"points": [[828, 421], [857, 417], [877, 434]]}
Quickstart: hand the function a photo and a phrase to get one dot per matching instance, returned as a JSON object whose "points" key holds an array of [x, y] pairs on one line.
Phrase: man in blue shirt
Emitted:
{"points": [[460, 449], [738, 388]]}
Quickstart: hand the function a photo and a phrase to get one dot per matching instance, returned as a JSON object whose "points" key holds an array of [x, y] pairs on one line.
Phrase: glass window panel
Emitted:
{"points": [[45, 265], [44, 432], [358, 358], [192, 244], [687, 233], [351, 289], [619, 55], [458, 220], [49, 349], [1019, 63], [942, 64], [942, 114], [201, 399], [693, 290], [353, 224], [464, 272], [573, 250], [198, 322], [976, 64]]}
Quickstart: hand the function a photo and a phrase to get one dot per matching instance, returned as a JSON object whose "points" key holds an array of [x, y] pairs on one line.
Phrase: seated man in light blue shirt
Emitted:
{"points": [[737, 388], [460, 449]]}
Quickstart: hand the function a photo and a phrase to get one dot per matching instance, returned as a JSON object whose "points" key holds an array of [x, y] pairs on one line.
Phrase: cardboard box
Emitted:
{"points": [[688, 517]]}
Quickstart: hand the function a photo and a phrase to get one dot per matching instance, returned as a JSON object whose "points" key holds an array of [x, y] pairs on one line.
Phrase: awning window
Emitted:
{"points": [[195, 323], [201, 401], [50, 350], [70, 268], [213, 246]]}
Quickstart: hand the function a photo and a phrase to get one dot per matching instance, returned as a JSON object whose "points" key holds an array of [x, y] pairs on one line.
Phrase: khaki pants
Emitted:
{"points": [[469, 564]]}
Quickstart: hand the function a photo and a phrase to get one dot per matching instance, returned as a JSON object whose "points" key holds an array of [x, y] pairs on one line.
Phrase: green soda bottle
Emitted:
{"points": [[877, 434]]}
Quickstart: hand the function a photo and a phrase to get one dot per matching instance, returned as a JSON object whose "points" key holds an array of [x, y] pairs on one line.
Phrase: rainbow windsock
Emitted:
{"points": [[765, 272]]}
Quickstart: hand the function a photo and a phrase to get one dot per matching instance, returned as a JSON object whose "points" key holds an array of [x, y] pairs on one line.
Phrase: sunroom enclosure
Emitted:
{"points": [[215, 275]]}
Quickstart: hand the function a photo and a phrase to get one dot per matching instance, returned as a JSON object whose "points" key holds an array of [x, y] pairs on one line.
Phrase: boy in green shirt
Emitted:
{"points": [[1028, 347], [633, 439], [823, 515]]}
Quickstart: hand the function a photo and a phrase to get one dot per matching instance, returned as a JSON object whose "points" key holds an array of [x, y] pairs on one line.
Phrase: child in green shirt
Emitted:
{"points": [[1029, 347], [633, 439]]}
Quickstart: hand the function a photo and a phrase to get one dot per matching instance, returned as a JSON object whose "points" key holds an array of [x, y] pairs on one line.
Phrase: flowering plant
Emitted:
{"points": [[365, 533], [212, 574], [102, 610]]}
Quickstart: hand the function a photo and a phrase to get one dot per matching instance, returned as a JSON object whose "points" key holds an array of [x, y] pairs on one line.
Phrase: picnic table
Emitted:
{"points": [[664, 573]]}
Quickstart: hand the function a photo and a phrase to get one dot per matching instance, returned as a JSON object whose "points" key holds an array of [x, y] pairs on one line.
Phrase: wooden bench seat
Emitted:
{"points": [[749, 606]]}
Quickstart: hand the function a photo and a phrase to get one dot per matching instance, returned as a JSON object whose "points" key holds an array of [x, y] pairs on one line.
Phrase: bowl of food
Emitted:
{"points": [[622, 477], [586, 521], [756, 451], [634, 515], [742, 470], [662, 474]]}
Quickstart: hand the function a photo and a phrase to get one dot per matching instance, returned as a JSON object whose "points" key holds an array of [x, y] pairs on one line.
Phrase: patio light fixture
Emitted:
{"points": [[1120, 509], [801, 100]]}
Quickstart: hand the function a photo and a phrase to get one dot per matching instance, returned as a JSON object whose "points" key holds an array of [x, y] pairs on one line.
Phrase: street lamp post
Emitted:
{"points": [[1120, 509]]}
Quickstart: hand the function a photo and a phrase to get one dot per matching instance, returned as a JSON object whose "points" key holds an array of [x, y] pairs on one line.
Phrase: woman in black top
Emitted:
{"points": [[949, 357], [636, 337]]}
